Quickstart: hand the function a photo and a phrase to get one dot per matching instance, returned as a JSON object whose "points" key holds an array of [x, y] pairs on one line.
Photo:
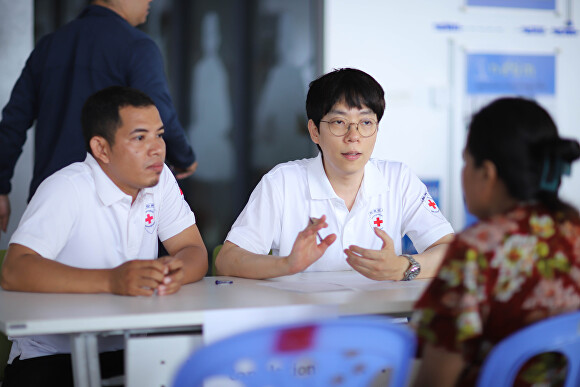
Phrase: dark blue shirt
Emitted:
{"points": [[94, 51]]}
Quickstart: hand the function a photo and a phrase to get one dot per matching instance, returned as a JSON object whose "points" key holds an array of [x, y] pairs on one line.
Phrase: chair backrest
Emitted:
{"points": [[556, 334], [349, 351]]}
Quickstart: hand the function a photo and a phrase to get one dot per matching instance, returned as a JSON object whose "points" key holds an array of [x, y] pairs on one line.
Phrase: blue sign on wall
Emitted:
{"points": [[527, 75], [531, 4]]}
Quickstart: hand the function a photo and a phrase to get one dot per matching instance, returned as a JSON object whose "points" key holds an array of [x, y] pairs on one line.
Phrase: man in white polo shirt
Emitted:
{"points": [[340, 210], [93, 227]]}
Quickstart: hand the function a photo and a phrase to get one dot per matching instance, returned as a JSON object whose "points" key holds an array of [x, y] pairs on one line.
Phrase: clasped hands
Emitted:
{"points": [[379, 265], [142, 277]]}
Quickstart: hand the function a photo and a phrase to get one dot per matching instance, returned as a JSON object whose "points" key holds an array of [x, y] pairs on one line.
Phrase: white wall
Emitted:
{"points": [[16, 42], [422, 71]]}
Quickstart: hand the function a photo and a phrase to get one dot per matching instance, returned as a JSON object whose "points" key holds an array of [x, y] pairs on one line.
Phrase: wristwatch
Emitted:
{"points": [[413, 270]]}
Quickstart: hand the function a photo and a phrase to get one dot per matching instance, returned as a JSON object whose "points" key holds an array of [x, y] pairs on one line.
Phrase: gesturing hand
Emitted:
{"points": [[306, 250], [379, 265], [137, 278]]}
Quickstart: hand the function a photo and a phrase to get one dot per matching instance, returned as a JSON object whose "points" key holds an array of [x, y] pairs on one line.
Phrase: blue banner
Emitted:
{"points": [[526, 75], [530, 4]]}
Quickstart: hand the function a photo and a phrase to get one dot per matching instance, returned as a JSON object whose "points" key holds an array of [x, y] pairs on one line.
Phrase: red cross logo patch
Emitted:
{"points": [[150, 218], [429, 203], [376, 219]]}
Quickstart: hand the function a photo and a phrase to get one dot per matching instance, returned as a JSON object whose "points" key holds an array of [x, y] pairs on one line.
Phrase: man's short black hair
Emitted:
{"points": [[100, 114], [355, 87]]}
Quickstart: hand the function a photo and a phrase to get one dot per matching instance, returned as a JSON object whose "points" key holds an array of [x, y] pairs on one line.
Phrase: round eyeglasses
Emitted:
{"points": [[340, 127]]}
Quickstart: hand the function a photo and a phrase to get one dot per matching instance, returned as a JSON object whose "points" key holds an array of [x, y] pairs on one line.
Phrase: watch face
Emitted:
{"points": [[413, 270], [412, 273]]}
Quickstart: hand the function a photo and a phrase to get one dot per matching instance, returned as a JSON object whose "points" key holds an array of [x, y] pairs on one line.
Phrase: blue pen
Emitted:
{"points": [[218, 282]]}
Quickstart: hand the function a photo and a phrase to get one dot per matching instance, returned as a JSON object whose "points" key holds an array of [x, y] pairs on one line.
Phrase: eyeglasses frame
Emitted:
{"points": [[356, 124]]}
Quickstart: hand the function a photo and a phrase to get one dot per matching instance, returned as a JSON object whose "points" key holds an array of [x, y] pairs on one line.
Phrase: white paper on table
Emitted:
{"points": [[219, 324], [304, 287], [333, 281], [371, 285]]}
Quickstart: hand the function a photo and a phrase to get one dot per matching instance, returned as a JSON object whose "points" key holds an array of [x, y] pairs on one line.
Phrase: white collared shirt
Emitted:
{"points": [[391, 197], [79, 211], [79, 217]]}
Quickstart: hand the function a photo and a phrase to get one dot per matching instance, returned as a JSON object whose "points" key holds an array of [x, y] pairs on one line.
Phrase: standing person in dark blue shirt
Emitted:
{"points": [[100, 48]]}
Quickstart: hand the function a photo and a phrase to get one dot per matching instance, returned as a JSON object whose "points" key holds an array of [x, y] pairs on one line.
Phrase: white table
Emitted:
{"points": [[85, 316]]}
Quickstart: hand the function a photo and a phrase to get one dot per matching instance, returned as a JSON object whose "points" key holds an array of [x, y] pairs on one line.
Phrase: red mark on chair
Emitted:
{"points": [[295, 339]]}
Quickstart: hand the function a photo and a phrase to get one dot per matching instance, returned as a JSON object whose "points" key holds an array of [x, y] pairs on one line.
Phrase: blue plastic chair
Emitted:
{"points": [[556, 334], [349, 351]]}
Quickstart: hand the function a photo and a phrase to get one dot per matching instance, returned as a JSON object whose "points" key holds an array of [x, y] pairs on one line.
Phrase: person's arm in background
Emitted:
{"points": [[149, 76], [17, 117]]}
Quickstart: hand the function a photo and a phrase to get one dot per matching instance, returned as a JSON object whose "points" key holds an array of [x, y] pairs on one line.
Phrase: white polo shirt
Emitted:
{"points": [[79, 217], [391, 197]]}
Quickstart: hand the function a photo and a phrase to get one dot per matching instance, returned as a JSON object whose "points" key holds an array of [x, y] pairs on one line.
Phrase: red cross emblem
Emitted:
{"points": [[150, 218], [376, 219], [429, 203]]}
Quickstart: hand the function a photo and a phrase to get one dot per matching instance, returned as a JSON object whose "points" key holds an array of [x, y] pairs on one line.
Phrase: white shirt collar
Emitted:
{"points": [[107, 190], [318, 182], [373, 182]]}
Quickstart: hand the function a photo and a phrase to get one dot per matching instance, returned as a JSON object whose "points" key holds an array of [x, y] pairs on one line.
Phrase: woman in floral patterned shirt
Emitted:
{"points": [[519, 264]]}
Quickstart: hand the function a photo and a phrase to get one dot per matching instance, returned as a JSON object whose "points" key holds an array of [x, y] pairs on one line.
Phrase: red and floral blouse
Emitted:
{"points": [[498, 276]]}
